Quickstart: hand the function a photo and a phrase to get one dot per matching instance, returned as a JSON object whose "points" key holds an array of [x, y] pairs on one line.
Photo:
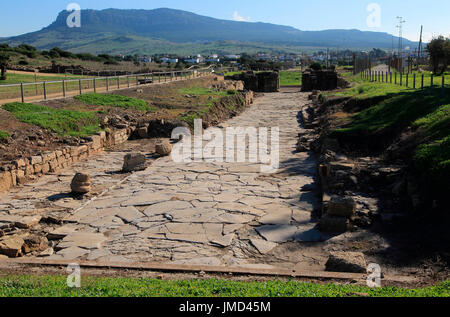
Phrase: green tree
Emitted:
{"points": [[439, 50], [4, 60]]}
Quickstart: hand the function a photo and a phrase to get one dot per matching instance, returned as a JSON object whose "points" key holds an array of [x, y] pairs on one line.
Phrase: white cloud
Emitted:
{"points": [[237, 17]]}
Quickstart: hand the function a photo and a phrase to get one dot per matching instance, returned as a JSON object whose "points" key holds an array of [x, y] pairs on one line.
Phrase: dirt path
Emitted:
{"points": [[99, 89]]}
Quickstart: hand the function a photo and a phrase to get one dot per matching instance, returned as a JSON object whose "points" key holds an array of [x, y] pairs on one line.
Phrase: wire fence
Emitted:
{"points": [[410, 80], [45, 90]]}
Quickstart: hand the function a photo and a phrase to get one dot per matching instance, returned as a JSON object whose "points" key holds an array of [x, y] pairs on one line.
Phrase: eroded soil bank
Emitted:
{"points": [[372, 169]]}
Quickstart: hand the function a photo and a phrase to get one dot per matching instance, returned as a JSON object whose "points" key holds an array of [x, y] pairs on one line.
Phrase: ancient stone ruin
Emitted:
{"points": [[81, 184], [319, 80], [259, 82], [134, 162], [163, 148]]}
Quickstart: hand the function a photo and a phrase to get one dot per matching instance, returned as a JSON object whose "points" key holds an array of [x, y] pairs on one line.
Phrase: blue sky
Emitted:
{"points": [[23, 16]]}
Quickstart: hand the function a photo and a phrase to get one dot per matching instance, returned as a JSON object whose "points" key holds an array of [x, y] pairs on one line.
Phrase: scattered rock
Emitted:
{"points": [[45, 253], [163, 148], [11, 246], [134, 162], [353, 262], [81, 184], [34, 243]]}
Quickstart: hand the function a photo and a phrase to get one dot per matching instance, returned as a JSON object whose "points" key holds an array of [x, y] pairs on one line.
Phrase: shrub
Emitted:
{"points": [[316, 66]]}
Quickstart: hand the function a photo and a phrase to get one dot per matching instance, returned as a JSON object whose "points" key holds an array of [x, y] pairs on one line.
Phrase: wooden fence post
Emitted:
{"points": [[421, 87], [45, 91], [107, 84], [432, 83], [64, 88], [414, 81], [79, 86], [407, 79], [21, 92]]}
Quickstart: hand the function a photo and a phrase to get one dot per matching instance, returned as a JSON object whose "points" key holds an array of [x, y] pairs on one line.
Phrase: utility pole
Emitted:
{"points": [[419, 56], [400, 40], [328, 54]]}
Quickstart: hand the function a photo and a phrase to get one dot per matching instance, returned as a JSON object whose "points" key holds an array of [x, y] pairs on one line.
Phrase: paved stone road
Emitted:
{"points": [[204, 213]]}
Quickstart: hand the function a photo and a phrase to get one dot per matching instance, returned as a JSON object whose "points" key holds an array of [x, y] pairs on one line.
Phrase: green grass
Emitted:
{"points": [[31, 78], [202, 91], [55, 286], [398, 108], [233, 73], [115, 101], [3, 135], [63, 122], [290, 78]]}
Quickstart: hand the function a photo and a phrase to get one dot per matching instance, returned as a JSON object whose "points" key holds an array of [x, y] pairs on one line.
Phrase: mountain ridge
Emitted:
{"points": [[143, 30]]}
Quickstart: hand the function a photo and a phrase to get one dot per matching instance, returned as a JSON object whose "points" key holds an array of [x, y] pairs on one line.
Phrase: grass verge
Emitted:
{"points": [[95, 99], [399, 108], [63, 122], [290, 78], [202, 91], [3, 135], [55, 286]]}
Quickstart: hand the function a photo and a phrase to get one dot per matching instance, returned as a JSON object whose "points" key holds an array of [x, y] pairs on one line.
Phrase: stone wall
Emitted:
{"points": [[25, 169], [259, 82], [319, 80]]}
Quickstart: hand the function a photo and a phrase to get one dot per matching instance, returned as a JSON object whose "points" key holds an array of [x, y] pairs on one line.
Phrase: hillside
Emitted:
{"points": [[175, 31]]}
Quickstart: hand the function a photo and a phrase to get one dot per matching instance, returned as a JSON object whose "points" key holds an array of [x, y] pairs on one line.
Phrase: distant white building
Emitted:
{"points": [[169, 60], [263, 57], [193, 60], [233, 57], [214, 58], [144, 59]]}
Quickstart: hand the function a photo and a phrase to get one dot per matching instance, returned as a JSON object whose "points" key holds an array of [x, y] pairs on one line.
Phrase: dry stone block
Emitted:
{"points": [[134, 162], [35, 160], [334, 224], [11, 246], [352, 262], [163, 148], [341, 206], [45, 168], [5, 181], [81, 184], [143, 132]]}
